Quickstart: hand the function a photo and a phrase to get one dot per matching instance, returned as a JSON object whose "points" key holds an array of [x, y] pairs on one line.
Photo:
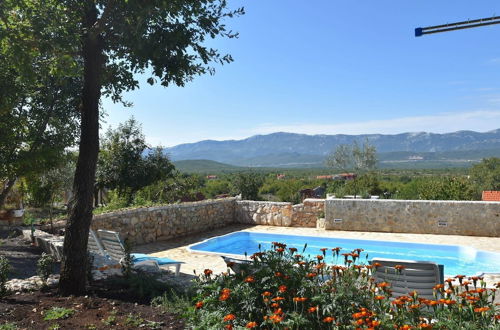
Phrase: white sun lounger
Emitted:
{"points": [[113, 245], [419, 276]]}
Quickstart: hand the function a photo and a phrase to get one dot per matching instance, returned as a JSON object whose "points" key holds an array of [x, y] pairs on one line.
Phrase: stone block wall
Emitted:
{"points": [[417, 217], [307, 213], [150, 224], [264, 213]]}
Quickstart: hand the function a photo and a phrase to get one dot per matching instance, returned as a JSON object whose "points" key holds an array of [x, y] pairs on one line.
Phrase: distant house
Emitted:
{"points": [[280, 176], [491, 196], [348, 176], [415, 158], [211, 177], [324, 177]]}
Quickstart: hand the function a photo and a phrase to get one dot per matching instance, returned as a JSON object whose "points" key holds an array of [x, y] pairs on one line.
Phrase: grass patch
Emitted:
{"points": [[58, 313], [8, 326]]}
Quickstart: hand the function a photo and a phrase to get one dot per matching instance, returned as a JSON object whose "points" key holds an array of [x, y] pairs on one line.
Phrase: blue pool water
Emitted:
{"points": [[456, 259]]}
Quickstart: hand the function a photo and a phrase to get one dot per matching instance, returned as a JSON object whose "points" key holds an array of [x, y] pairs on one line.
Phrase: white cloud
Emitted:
{"points": [[481, 120]]}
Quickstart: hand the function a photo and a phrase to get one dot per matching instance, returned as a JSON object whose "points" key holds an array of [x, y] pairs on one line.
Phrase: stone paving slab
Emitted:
{"points": [[195, 262]]}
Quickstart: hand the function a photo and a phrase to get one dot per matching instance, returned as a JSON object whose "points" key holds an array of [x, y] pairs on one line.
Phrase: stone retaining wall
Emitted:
{"points": [[264, 213], [150, 224], [145, 225], [307, 213], [417, 217]]}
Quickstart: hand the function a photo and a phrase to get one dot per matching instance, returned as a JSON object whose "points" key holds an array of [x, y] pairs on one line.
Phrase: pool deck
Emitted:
{"points": [[177, 248]]}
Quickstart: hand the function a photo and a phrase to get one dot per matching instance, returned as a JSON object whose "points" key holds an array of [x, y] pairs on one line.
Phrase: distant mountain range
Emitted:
{"points": [[301, 150]]}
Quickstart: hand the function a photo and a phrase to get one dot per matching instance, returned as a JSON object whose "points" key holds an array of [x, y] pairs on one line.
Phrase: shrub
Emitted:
{"points": [[4, 275], [45, 266], [58, 313], [282, 289]]}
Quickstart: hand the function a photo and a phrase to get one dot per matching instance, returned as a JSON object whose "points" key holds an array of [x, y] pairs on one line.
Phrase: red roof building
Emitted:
{"points": [[491, 196]]}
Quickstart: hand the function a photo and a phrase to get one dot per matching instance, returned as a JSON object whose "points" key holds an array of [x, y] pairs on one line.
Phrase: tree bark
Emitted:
{"points": [[6, 189], [74, 263]]}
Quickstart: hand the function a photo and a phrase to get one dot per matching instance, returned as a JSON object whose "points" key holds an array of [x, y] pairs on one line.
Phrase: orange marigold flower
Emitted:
{"points": [[438, 286], [229, 317], [278, 311], [320, 257], [320, 265], [415, 306], [311, 275], [399, 267], [276, 318], [379, 297], [266, 293], [280, 250], [275, 305], [375, 323], [208, 272], [228, 327], [199, 304], [383, 285], [224, 297], [282, 288], [278, 274], [292, 249], [481, 309], [328, 319], [251, 325], [376, 264], [296, 299], [226, 291], [278, 299], [405, 327], [360, 321], [249, 279], [312, 309]]}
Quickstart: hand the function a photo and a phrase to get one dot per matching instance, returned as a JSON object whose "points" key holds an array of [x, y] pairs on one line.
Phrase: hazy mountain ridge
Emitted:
{"points": [[284, 149]]}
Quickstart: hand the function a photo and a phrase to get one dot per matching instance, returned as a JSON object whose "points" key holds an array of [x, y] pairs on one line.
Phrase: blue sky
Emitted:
{"points": [[331, 67]]}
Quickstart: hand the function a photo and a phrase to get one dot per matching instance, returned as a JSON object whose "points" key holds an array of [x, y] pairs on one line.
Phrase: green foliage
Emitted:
{"points": [[4, 275], [353, 157], [127, 261], [58, 313], [486, 175], [45, 266], [173, 302], [39, 87], [280, 289], [122, 164], [438, 188], [217, 187], [8, 326], [138, 322], [111, 319], [286, 190], [247, 184]]}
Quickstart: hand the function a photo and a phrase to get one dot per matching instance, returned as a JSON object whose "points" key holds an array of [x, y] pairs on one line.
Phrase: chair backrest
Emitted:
{"points": [[94, 245], [420, 276], [237, 265], [112, 243]]}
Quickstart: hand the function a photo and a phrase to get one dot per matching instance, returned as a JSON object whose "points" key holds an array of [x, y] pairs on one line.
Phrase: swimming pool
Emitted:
{"points": [[455, 258]]}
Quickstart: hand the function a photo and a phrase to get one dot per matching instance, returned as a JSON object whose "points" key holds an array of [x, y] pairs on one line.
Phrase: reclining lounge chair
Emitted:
{"points": [[112, 245], [419, 276]]}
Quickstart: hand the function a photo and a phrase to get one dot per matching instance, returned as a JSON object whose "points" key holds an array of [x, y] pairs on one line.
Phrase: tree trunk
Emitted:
{"points": [[74, 263], [6, 189]]}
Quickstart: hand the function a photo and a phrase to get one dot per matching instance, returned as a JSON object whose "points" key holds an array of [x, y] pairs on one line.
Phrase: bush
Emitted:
{"points": [[4, 275], [58, 313], [45, 266], [282, 289]]}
